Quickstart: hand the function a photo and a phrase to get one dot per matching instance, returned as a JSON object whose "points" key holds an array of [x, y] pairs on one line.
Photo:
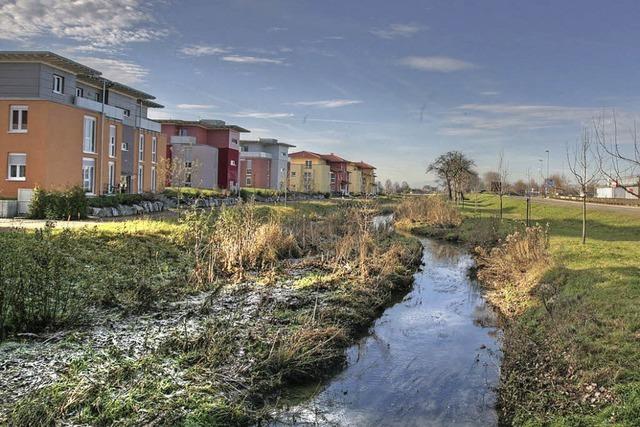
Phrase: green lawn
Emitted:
{"points": [[585, 366]]}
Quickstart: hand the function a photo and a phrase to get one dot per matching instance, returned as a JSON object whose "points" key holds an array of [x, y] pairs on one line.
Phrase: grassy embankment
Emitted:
{"points": [[572, 324], [292, 287]]}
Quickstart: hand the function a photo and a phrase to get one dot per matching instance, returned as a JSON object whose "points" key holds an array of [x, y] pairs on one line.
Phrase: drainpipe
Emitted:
{"points": [[100, 159]]}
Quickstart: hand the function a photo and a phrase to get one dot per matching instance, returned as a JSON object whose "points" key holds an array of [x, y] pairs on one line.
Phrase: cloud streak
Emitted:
{"points": [[395, 31], [262, 115], [330, 103], [122, 71], [203, 50], [194, 106], [251, 60], [441, 64]]}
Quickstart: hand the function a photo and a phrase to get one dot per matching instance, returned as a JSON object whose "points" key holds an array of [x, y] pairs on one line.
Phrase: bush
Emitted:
{"points": [[193, 193], [113, 200], [66, 205], [430, 210]]}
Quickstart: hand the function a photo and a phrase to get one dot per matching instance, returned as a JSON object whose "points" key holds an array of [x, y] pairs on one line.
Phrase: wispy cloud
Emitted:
{"points": [[442, 64], [251, 59], [276, 29], [395, 31], [261, 115], [195, 106], [490, 93], [483, 119], [203, 50], [95, 23], [330, 103], [123, 71], [346, 122]]}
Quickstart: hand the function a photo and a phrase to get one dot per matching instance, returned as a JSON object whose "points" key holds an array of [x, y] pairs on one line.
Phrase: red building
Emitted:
{"points": [[215, 133], [339, 173]]}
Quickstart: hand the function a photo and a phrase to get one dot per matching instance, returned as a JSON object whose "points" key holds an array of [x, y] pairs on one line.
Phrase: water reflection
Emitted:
{"points": [[431, 360]]}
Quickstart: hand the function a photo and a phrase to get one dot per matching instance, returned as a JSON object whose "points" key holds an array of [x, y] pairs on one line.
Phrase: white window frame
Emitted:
{"points": [[248, 181], [154, 149], [112, 141], [79, 92], [308, 164], [232, 163], [89, 163], [91, 149], [21, 109], [124, 146], [140, 179], [126, 112], [58, 84], [19, 176], [154, 178], [111, 177], [141, 147]]}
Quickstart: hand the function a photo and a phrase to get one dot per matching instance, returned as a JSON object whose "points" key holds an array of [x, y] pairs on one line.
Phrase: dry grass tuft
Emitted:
{"points": [[433, 211]]}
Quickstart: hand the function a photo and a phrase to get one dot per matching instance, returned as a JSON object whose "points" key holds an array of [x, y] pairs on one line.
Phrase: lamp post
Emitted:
{"points": [[541, 176], [547, 186]]}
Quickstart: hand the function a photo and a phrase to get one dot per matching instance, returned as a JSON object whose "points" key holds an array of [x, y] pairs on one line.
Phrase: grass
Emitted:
{"points": [[288, 322], [571, 358]]}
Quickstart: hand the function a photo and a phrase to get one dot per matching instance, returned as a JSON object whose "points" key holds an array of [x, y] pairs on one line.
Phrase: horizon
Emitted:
{"points": [[412, 80]]}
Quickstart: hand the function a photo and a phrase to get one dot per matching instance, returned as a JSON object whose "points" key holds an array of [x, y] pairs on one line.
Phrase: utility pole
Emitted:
{"points": [[541, 176]]}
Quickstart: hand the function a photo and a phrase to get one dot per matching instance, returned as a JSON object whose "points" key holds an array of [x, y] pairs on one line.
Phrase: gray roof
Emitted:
{"points": [[265, 141], [47, 57], [207, 124]]}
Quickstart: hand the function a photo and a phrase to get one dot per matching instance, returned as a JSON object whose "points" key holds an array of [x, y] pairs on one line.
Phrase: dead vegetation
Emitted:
{"points": [[433, 211]]}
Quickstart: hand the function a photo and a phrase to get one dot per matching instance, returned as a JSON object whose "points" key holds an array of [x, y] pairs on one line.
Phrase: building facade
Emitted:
{"points": [[63, 125], [309, 173], [367, 178], [213, 133], [264, 163]]}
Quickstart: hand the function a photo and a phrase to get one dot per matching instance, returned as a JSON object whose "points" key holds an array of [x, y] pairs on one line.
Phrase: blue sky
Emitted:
{"points": [[393, 83]]}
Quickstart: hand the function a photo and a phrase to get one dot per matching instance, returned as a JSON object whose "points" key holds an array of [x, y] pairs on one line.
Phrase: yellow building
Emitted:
{"points": [[367, 178], [355, 178], [309, 173]]}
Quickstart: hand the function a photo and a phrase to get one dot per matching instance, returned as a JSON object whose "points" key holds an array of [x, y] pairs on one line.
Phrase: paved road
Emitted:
{"points": [[628, 210]]}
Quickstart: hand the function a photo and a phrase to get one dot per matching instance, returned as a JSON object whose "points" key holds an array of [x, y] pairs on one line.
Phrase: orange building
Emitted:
{"points": [[62, 125]]}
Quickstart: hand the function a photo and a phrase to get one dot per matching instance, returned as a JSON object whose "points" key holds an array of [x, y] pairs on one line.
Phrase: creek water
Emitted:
{"points": [[431, 360]]}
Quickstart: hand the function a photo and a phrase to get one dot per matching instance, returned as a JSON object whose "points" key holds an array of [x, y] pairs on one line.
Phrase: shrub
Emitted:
{"points": [[432, 210], [113, 200], [193, 193], [66, 205]]}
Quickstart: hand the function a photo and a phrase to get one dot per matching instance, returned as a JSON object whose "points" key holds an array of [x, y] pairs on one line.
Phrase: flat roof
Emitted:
{"points": [[127, 90], [46, 57], [206, 124], [265, 141]]}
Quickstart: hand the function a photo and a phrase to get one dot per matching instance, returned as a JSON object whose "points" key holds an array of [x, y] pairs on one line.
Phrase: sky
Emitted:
{"points": [[391, 83]]}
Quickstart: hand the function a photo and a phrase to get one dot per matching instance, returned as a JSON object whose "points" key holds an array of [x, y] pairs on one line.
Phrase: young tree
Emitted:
{"points": [[388, 186], [616, 164], [503, 175], [581, 164], [452, 168]]}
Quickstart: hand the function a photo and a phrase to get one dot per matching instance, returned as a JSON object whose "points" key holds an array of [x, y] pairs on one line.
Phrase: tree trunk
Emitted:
{"points": [[584, 218], [449, 189], [501, 207]]}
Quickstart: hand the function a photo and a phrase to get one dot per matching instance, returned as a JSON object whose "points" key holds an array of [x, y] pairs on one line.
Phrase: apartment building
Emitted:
{"points": [[309, 173], [65, 125], [264, 163], [225, 138], [367, 178]]}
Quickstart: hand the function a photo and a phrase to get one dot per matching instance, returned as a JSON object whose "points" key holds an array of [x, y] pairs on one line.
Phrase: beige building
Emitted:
{"points": [[309, 173]]}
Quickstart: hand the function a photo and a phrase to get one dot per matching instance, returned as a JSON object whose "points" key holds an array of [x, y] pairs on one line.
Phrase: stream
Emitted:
{"points": [[431, 360]]}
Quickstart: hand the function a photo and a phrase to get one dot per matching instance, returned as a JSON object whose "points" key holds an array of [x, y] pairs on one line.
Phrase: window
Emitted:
{"points": [[141, 148], [187, 164], [88, 175], [98, 97], [187, 179], [126, 113], [19, 118], [58, 84], [249, 167], [307, 176], [79, 92], [244, 148], [154, 149], [308, 164], [182, 132], [232, 162], [140, 179], [249, 181], [112, 178], [234, 141], [153, 179], [17, 167], [112, 141], [293, 173], [89, 144], [124, 146], [333, 178]]}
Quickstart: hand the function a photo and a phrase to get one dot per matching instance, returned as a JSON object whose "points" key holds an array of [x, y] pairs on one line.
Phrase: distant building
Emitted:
{"points": [[214, 133], [615, 189], [368, 178], [65, 125], [309, 173], [264, 163]]}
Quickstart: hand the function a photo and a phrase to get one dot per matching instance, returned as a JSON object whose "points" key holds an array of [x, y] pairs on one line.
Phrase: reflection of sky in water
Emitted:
{"points": [[428, 360]]}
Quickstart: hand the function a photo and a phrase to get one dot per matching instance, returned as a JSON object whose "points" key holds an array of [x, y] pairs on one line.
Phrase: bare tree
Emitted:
{"points": [[615, 164], [503, 175], [452, 168], [581, 164]]}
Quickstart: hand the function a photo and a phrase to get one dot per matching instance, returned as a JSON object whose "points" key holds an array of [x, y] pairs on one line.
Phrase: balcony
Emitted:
{"points": [[254, 155], [90, 104], [187, 140], [149, 124]]}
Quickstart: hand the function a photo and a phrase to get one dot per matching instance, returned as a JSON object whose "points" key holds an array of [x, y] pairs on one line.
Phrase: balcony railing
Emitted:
{"points": [[149, 124], [90, 104], [188, 140], [255, 155]]}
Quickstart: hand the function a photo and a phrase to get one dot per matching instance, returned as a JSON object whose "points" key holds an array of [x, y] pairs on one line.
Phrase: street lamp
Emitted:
{"points": [[541, 176]]}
